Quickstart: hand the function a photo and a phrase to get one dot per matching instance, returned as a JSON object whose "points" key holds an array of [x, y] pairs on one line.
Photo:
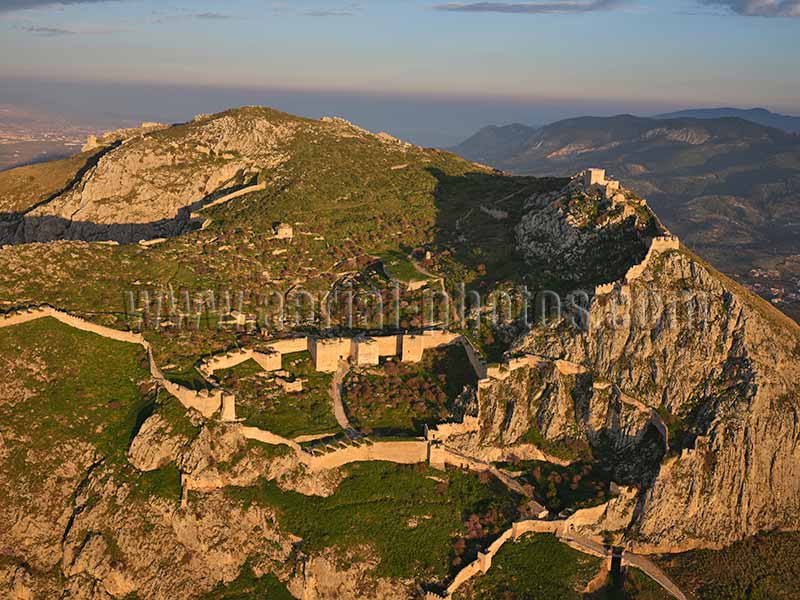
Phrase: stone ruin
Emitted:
{"points": [[596, 178], [284, 231]]}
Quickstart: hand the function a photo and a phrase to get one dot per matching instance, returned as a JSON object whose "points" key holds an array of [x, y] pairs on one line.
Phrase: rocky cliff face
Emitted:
{"points": [[145, 185], [720, 368], [578, 235]]}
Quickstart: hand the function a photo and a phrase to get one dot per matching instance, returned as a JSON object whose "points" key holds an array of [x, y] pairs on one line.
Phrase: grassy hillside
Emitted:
{"points": [[25, 186]]}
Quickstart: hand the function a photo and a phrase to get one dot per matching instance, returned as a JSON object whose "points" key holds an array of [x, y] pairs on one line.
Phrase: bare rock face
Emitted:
{"points": [[578, 235], [156, 445], [147, 181], [722, 368], [570, 416], [325, 577]]}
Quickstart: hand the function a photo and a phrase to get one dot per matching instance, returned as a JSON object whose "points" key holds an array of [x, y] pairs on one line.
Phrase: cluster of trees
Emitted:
{"points": [[759, 568], [401, 386], [578, 486]]}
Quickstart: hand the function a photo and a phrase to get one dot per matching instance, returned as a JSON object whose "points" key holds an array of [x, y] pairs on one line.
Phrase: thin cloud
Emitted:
{"points": [[59, 31], [534, 8], [758, 8], [7, 6], [329, 13], [160, 17], [48, 31], [212, 16], [284, 9]]}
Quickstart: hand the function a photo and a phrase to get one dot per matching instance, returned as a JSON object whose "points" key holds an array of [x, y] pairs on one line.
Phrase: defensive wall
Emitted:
{"points": [[327, 353], [232, 196], [207, 402], [658, 245], [562, 529], [411, 452]]}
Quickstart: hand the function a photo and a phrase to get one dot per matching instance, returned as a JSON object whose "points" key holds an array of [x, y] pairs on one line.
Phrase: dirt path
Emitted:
{"points": [[335, 392]]}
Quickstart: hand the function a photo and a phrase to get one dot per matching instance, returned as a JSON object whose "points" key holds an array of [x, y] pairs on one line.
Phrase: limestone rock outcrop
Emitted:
{"points": [[720, 368]]}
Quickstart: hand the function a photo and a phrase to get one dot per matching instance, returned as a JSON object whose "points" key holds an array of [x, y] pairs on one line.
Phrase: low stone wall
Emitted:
{"points": [[484, 560], [448, 430], [271, 439], [475, 359], [205, 402], [407, 453], [658, 245], [290, 345], [232, 196]]}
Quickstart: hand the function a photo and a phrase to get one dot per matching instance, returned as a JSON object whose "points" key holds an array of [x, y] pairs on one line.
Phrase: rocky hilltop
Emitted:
{"points": [[145, 183], [214, 451], [727, 186], [686, 383]]}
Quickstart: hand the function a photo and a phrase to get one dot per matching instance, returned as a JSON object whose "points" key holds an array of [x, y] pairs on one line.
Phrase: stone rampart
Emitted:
{"points": [[408, 453], [269, 360], [474, 358], [233, 195], [484, 561], [290, 345], [604, 289], [388, 345], [228, 360], [659, 244], [662, 243], [412, 348], [366, 352], [327, 353], [265, 437], [205, 402], [447, 430]]}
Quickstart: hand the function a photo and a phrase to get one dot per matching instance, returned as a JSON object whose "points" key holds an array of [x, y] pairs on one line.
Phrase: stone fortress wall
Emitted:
{"points": [[327, 353], [431, 450], [564, 531], [206, 402], [665, 242]]}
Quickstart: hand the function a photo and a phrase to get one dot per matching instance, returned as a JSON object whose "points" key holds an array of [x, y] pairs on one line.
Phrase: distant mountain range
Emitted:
{"points": [[762, 116], [729, 187]]}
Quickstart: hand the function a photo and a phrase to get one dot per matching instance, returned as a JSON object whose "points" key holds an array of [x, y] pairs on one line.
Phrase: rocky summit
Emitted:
{"points": [[262, 356]]}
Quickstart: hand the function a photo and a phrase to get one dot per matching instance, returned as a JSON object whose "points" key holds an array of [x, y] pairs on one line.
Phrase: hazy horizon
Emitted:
{"points": [[426, 70], [428, 120]]}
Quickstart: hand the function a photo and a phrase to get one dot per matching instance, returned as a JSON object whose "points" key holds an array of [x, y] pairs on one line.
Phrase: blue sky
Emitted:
{"points": [[635, 53]]}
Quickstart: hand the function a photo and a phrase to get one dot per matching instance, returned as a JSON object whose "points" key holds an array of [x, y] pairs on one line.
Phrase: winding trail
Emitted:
{"points": [[335, 392]]}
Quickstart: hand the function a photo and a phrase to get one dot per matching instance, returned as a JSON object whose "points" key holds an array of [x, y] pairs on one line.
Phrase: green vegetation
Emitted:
{"points": [[538, 566], [261, 402], [766, 567], [580, 485], [247, 587], [403, 397], [72, 385], [416, 525], [71, 390], [637, 586], [566, 449], [398, 266], [163, 483], [24, 186]]}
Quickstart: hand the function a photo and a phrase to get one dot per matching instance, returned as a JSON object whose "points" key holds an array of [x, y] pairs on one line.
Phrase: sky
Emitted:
{"points": [[429, 70]]}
